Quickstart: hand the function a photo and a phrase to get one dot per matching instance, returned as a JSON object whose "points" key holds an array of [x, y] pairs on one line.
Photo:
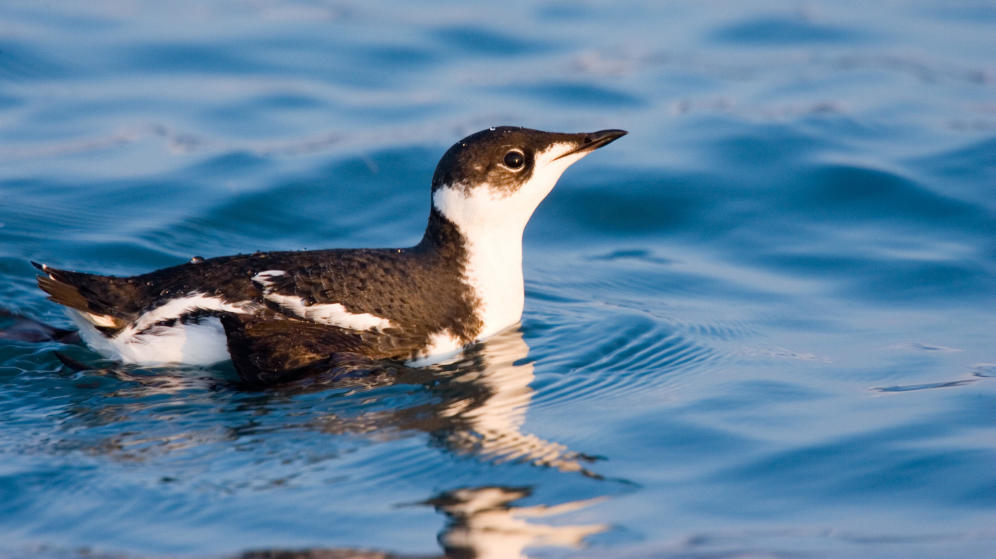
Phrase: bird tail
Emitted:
{"points": [[104, 301]]}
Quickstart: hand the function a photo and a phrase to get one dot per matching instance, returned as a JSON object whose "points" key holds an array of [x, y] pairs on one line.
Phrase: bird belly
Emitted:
{"points": [[200, 342]]}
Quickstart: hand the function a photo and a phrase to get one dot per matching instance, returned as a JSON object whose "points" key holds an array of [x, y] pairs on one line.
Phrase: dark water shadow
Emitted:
{"points": [[17, 327]]}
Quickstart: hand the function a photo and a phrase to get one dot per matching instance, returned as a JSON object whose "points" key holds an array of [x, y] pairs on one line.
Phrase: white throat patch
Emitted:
{"points": [[492, 222]]}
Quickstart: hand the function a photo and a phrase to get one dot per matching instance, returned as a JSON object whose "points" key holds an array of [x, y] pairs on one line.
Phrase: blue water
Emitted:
{"points": [[761, 325]]}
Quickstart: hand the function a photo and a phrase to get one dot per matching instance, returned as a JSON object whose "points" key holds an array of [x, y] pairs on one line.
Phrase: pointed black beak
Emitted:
{"points": [[595, 140]]}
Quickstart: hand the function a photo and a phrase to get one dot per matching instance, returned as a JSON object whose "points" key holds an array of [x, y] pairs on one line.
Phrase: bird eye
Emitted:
{"points": [[515, 159]]}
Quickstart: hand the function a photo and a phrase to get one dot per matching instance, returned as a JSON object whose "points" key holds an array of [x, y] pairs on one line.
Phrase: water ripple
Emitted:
{"points": [[768, 308], [633, 355]]}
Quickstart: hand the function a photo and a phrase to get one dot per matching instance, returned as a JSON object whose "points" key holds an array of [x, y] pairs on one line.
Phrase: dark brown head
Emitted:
{"points": [[501, 174]]}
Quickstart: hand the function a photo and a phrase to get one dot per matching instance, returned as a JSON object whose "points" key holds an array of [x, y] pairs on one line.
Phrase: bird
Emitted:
{"points": [[279, 315]]}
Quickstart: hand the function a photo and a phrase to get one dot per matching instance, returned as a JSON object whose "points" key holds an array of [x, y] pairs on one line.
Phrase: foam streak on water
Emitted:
{"points": [[759, 325]]}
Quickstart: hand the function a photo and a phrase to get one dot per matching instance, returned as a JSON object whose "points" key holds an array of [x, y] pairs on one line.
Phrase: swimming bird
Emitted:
{"points": [[281, 314]]}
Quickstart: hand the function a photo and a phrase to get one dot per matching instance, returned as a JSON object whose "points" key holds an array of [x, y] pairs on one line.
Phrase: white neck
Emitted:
{"points": [[492, 221], [494, 271], [494, 255]]}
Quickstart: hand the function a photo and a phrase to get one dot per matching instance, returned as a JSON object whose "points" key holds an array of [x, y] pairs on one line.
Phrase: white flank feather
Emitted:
{"points": [[193, 343]]}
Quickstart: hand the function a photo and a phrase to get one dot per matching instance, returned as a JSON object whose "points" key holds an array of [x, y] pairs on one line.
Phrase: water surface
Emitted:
{"points": [[759, 325]]}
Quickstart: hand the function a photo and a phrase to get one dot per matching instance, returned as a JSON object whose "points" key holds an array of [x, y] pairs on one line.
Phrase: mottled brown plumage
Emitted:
{"points": [[284, 313]]}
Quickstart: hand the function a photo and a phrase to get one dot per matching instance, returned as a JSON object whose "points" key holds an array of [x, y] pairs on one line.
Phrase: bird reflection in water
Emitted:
{"points": [[478, 406], [481, 523], [473, 406]]}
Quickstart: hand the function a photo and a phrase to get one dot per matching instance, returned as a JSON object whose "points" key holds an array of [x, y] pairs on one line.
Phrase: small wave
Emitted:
{"points": [[848, 192], [484, 41], [774, 30], [576, 94], [924, 386]]}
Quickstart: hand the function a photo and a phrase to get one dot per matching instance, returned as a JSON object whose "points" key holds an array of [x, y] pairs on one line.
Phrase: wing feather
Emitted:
{"points": [[106, 301]]}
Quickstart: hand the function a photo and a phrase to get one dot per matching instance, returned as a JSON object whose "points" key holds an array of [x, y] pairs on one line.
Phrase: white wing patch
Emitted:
{"points": [[333, 314]]}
